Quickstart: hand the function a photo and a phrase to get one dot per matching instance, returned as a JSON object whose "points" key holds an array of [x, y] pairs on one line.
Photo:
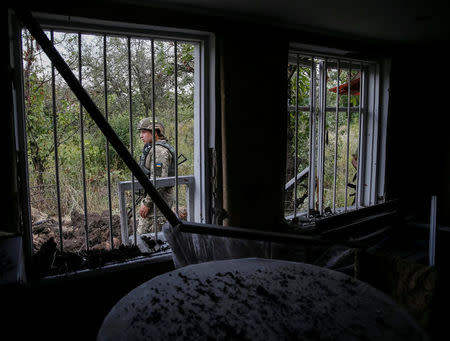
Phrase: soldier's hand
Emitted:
{"points": [[143, 211]]}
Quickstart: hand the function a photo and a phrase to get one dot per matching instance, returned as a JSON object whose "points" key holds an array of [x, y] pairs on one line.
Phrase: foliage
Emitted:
{"points": [[299, 96], [130, 96]]}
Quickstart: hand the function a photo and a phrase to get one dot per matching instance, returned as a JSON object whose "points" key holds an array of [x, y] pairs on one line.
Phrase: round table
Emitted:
{"points": [[257, 299]]}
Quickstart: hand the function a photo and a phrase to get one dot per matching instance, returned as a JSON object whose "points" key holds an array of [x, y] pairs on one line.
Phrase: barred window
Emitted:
{"points": [[78, 190], [336, 135]]}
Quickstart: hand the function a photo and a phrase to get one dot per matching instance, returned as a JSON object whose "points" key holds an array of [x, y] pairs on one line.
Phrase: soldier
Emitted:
{"points": [[164, 166], [355, 165]]}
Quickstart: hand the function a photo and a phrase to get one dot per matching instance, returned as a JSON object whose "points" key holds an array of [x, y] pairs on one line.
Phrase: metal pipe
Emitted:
{"points": [[83, 164], [74, 84], [336, 132], [130, 104], [270, 236], [55, 144], [108, 171]]}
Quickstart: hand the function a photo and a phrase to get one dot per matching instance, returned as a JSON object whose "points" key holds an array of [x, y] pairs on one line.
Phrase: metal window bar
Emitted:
{"points": [[312, 137], [130, 103], [296, 135], [372, 117], [349, 78], [83, 164], [321, 132], [327, 109], [55, 143], [336, 135], [358, 173], [176, 124], [153, 134], [362, 143], [108, 162]]}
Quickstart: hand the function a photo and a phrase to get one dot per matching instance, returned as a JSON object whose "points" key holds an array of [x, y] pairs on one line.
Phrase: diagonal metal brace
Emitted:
{"points": [[35, 29]]}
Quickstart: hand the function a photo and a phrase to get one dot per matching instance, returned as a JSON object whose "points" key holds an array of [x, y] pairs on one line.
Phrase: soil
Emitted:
{"points": [[73, 231], [48, 259]]}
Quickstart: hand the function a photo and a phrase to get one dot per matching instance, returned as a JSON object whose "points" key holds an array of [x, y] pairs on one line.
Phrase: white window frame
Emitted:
{"points": [[373, 129]]}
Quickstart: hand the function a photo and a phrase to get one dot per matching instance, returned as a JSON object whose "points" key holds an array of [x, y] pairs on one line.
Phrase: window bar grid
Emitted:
{"points": [[83, 165], [176, 125], [130, 103], [336, 132], [153, 134], [55, 144], [359, 136], [84, 99], [296, 136], [108, 172], [349, 78], [311, 184]]}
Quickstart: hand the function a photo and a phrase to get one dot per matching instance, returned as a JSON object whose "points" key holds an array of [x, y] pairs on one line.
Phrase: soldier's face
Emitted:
{"points": [[146, 136]]}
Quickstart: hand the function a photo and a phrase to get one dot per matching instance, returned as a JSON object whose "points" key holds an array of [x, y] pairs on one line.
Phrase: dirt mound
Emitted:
{"points": [[74, 230], [50, 261]]}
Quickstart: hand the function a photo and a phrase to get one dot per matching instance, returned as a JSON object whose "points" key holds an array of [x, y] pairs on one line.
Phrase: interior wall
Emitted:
{"points": [[10, 207], [253, 72], [418, 149]]}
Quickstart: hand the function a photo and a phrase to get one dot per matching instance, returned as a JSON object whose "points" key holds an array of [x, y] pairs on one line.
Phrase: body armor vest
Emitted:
{"points": [[146, 150]]}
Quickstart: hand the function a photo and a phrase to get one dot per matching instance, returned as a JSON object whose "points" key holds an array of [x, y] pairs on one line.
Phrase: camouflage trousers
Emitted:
{"points": [[148, 224]]}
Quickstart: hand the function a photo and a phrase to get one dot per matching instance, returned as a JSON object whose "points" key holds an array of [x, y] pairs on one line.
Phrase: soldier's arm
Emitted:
{"points": [[162, 163]]}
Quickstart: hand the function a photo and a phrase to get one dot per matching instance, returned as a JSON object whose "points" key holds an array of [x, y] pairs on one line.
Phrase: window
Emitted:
{"points": [[337, 109], [77, 189]]}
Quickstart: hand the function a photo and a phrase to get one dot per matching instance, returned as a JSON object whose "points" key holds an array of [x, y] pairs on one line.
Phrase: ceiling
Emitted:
{"points": [[387, 20]]}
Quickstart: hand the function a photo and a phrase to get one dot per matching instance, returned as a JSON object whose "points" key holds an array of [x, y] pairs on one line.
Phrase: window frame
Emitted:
{"points": [[372, 128], [204, 100]]}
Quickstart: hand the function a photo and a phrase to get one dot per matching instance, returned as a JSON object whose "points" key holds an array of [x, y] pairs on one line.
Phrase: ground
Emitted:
{"points": [[48, 258]]}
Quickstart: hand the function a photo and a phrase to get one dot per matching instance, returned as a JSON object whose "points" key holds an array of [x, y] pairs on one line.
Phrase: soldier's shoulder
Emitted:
{"points": [[162, 150]]}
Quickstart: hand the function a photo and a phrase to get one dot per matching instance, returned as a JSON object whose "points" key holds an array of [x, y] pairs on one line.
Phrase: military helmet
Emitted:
{"points": [[147, 124]]}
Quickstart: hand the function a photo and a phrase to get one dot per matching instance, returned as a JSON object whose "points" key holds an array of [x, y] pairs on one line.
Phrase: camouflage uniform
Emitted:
{"points": [[163, 163]]}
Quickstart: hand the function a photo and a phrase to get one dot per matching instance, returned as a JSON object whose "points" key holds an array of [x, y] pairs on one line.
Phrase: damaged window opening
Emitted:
{"points": [[82, 199], [335, 136]]}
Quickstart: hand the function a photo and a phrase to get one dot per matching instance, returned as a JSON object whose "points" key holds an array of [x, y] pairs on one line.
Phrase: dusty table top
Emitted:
{"points": [[257, 299]]}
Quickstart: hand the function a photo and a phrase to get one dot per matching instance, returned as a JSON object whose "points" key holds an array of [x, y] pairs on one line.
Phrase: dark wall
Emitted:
{"points": [[418, 138], [254, 88], [71, 308]]}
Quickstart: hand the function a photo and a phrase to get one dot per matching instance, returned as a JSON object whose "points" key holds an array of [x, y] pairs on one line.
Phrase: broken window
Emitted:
{"points": [[78, 191], [335, 137]]}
